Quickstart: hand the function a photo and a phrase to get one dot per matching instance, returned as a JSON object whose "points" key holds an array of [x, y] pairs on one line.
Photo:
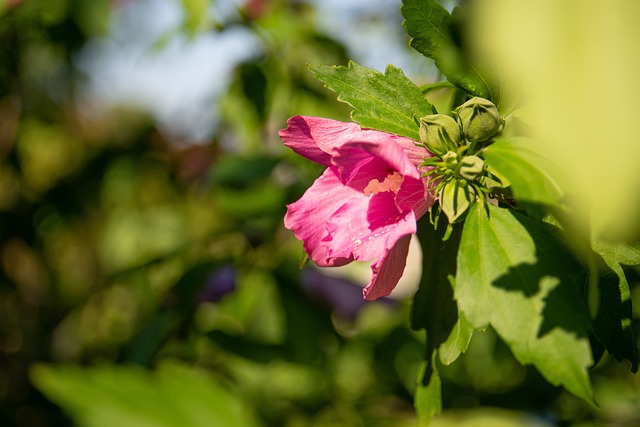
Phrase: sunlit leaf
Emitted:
{"points": [[388, 102], [457, 342], [515, 275], [532, 175]]}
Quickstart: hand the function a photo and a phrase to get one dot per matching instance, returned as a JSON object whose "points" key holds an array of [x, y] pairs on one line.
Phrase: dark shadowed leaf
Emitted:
{"points": [[612, 325], [430, 27], [435, 310]]}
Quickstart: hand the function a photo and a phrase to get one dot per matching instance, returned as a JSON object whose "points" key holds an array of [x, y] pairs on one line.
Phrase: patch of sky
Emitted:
{"points": [[372, 31], [146, 63]]}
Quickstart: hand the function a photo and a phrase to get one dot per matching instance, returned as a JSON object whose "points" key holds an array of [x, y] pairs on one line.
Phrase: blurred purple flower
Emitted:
{"points": [[343, 296], [221, 282]]}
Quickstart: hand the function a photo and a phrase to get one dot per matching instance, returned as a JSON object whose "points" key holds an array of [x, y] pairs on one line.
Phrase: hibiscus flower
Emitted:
{"points": [[365, 205]]}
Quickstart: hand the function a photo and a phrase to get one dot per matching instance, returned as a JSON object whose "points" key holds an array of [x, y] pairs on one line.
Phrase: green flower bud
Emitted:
{"points": [[479, 119], [439, 133], [450, 159], [471, 168], [456, 197]]}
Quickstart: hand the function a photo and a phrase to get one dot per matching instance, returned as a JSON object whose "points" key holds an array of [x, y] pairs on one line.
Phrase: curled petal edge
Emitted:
{"points": [[387, 270]]}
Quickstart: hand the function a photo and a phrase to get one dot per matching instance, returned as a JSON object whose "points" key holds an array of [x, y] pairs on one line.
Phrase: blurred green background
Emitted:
{"points": [[146, 278]]}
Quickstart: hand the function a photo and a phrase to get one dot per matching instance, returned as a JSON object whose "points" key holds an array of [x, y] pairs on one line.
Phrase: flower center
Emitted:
{"points": [[391, 183]]}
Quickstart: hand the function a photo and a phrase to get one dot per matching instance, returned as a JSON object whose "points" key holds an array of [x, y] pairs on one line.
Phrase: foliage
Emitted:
{"points": [[388, 102], [190, 397], [512, 272], [145, 281]]}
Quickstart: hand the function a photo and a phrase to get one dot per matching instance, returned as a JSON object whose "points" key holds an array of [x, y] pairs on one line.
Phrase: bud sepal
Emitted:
{"points": [[456, 197]]}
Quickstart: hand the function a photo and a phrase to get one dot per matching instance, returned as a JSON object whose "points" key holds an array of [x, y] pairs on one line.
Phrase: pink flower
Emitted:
{"points": [[366, 203]]}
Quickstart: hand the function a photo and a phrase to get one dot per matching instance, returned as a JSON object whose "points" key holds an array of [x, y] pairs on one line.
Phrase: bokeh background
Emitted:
{"points": [[146, 278]]}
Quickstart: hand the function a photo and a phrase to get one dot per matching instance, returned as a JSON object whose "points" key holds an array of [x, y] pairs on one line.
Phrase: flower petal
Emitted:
{"points": [[417, 154], [387, 270], [308, 216], [360, 162], [315, 137], [365, 228], [373, 157]]}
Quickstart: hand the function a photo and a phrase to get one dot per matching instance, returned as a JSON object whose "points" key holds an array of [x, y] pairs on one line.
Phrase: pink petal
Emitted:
{"points": [[308, 216], [315, 137], [357, 169], [413, 195], [387, 270], [379, 155], [416, 153], [364, 228]]}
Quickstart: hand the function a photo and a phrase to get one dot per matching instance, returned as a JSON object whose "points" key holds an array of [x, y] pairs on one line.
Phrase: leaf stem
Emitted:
{"points": [[435, 86]]}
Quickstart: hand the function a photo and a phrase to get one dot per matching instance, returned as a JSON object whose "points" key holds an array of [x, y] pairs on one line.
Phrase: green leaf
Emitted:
{"points": [[429, 25], [434, 298], [617, 251], [612, 324], [388, 102], [128, 396], [428, 394], [515, 275], [531, 174], [435, 311], [433, 306], [458, 340]]}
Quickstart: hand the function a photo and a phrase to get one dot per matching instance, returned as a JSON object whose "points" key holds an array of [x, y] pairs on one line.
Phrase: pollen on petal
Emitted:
{"points": [[391, 183]]}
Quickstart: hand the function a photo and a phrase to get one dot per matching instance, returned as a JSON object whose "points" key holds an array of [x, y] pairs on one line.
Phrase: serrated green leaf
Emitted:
{"points": [[516, 276], [388, 102], [531, 174], [429, 26]]}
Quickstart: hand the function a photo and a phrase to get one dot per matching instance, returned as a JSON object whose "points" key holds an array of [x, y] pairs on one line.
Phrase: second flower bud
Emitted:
{"points": [[439, 133]]}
